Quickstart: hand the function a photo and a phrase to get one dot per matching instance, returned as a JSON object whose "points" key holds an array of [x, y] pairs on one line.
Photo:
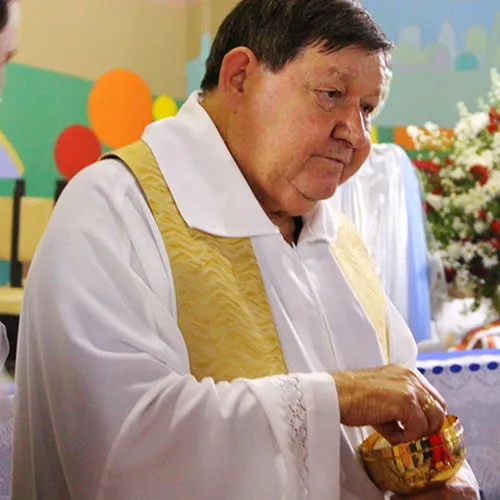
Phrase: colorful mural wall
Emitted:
{"points": [[91, 73], [445, 49]]}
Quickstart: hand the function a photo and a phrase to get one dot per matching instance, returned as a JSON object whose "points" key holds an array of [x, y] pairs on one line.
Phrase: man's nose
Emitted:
{"points": [[352, 126]]}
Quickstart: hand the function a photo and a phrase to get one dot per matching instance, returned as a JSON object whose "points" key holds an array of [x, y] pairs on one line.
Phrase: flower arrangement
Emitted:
{"points": [[460, 173]]}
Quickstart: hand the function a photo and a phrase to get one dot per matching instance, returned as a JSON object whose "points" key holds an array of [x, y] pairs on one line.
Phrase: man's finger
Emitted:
{"points": [[433, 412], [432, 390]]}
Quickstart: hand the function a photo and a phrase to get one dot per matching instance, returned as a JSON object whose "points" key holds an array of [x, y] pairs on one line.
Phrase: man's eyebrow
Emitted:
{"points": [[333, 71]]}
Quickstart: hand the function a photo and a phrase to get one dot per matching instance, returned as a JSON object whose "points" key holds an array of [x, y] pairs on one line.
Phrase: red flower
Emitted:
{"points": [[427, 166], [449, 274], [428, 208], [482, 214], [496, 243], [438, 190], [494, 121], [492, 128], [481, 173], [495, 226]]}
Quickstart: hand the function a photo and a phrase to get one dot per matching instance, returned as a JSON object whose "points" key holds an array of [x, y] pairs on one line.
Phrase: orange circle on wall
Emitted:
{"points": [[119, 107], [76, 147]]}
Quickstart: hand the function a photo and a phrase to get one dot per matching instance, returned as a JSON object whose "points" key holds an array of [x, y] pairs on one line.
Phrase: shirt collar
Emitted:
{"points": [[209, 189], [320, 225]]}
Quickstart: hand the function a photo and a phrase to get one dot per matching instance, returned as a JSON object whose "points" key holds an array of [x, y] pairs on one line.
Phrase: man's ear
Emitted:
{"points": [[237, 68]]}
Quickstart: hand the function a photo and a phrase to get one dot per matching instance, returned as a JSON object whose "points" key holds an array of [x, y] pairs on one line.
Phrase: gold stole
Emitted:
{"points": [[222, 306], [352, 255]]}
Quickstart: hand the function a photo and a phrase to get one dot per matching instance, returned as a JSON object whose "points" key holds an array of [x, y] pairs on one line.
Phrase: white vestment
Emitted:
{"points": [[374, 200], [106, 405]]}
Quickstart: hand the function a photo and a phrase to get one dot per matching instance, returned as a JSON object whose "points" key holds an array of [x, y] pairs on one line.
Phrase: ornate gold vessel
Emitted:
{"points": [[416, 466]]}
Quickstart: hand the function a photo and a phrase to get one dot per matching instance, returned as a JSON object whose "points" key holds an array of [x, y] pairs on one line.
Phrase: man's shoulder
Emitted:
{"points": [[107, 178], [103, 194]]}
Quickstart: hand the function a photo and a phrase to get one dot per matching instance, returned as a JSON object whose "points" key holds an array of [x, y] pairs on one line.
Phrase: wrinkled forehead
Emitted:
{"points": [[349, 64]]}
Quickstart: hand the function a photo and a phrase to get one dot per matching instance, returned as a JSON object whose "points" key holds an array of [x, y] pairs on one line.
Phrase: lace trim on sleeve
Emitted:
{"points": [[295, 412]]}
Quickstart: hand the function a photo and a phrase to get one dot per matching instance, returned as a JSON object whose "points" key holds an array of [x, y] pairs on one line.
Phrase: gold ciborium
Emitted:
{"points": [[415, 466]]}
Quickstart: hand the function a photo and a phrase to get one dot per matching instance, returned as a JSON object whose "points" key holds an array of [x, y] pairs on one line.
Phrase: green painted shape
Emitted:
{"points": [[37, 106], [385, 134], [466, 62], [6, 187], [4, 272]]}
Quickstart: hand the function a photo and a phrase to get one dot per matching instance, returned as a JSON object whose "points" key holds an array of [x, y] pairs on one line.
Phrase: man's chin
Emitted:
{"points": [[303, 206], [300, 203], [320, 196], [319, 190]]}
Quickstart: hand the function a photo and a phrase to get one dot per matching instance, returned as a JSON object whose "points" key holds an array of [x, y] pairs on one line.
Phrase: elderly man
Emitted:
{"points": [[197, 324]]}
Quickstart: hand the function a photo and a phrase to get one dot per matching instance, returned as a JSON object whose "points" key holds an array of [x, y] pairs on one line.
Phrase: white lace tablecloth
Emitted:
{"points": [[470, 383]]}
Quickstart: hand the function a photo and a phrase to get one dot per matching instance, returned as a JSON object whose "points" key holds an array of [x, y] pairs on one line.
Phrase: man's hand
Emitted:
{"points": [[397, 402], [461, 487]]}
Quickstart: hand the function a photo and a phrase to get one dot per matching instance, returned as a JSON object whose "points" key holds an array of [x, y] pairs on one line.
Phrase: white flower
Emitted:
{"points": [[432, 128], [457, 224], [464, 212], [495, 145], [413, 132], [435, 201], [492, 187], [494, 94], [490, 261], [470, 125], [463, 279], [462, 109], [456, 173], [480, 226], [479, 121], [486, 158]]}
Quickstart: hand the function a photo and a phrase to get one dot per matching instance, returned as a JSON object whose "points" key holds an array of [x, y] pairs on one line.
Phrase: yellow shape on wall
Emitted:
{"points": [[164, 107]]}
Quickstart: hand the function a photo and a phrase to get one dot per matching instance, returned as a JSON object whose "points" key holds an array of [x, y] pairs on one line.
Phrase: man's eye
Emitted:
{"points": [[368, 109], [332, 94]]}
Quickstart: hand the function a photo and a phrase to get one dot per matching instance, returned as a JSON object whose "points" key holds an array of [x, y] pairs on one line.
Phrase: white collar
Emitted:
{"points": [[320, 225], [209, 189]]}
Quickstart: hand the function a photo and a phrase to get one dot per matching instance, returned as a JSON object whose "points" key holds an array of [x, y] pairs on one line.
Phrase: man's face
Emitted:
{"points": [[304, 130]]}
